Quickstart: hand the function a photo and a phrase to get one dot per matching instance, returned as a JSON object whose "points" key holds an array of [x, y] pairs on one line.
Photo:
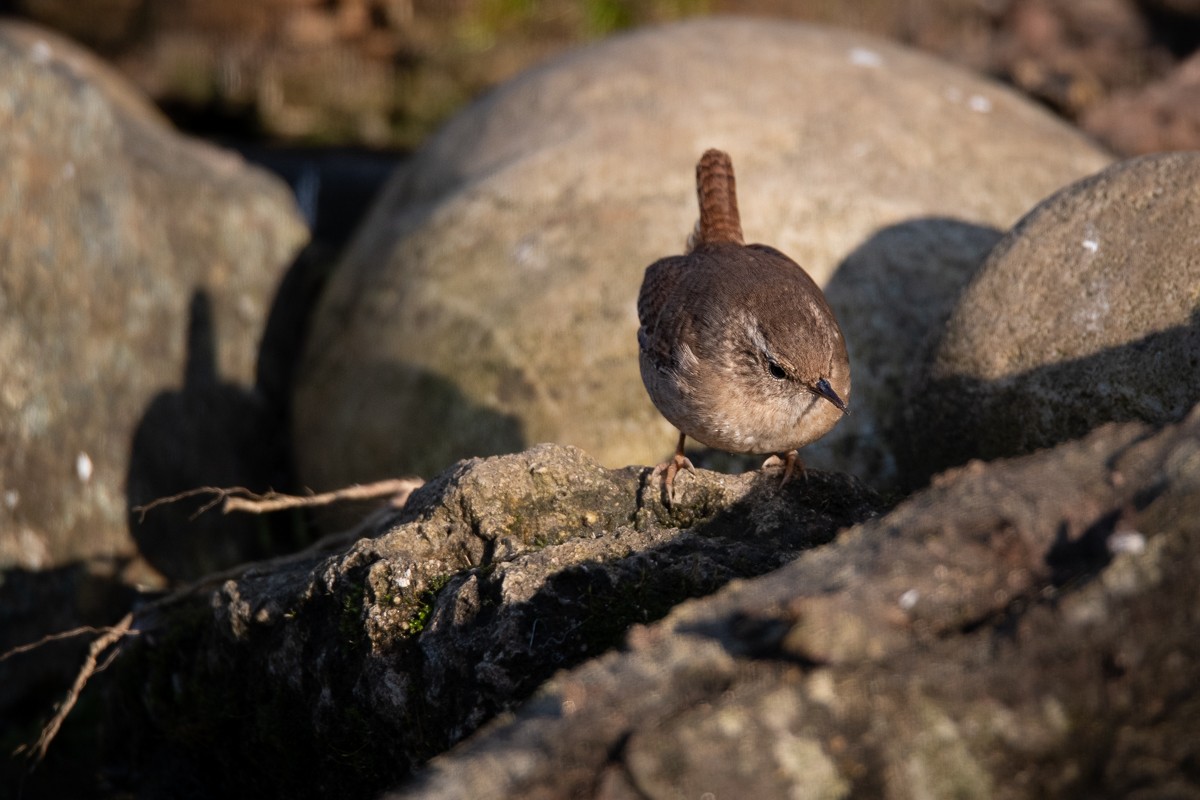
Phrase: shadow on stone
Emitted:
{"points": [[902, 282], [440, 426], [892, 295], [209, 433], [949, 420]]}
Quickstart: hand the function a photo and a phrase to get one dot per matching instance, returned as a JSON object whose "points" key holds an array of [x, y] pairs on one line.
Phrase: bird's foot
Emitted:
{"points": [[790, 462], [669, 469]]}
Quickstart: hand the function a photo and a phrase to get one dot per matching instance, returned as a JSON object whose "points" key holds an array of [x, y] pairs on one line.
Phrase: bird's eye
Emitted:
{"points": [[777, 372]]}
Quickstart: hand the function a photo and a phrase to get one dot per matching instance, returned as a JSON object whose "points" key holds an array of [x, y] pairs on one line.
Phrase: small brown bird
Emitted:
{"points": [[739, 349]]}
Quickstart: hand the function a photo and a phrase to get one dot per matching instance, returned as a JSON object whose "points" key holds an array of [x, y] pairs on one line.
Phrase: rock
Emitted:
{"points": [[1085, 313], [488, 302], [1070, 55], [1164, 115], [291, 69], [1024, 628], [112, 224], [116, 230], [347, 667]]}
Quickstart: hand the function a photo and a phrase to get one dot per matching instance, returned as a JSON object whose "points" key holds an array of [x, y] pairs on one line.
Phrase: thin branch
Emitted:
{"points": [[53, 637], [235, 499], [110, 637], [399, 488], [218, 493], [239, 498]]}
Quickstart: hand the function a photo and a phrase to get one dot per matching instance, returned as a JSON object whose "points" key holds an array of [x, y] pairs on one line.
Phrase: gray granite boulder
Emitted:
{"points": [[115, 231], [1087, 312], [488, 301]]}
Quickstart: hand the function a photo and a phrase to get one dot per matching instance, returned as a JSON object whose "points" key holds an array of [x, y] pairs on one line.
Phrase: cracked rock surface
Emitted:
{"points": [[342, 671], [1026, 628]]}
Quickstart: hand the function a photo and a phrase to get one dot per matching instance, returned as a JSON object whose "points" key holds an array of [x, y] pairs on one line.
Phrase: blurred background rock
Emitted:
{"points": [[383, 73]]}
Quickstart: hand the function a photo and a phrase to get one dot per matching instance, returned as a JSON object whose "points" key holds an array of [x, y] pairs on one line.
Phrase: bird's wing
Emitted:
{"points": [[660, 289]]}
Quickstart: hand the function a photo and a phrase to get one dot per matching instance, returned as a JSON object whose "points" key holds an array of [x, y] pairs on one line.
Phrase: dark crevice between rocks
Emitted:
{"points": [[1075, 560], [645, 484], [617, 753]]}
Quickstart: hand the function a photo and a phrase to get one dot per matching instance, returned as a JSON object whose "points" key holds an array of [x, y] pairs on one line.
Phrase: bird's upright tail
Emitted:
{"points": [[717, 192]]}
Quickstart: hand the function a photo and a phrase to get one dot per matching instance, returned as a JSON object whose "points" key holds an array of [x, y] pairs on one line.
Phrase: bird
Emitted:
{"points": [[738, 347]]}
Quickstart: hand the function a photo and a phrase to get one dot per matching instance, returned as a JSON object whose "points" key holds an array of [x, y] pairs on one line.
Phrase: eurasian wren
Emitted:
{"points": [[739, 348]]}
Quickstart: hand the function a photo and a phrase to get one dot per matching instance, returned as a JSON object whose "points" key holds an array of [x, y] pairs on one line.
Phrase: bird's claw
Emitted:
{"points": [[790, 462], [669, 469]]}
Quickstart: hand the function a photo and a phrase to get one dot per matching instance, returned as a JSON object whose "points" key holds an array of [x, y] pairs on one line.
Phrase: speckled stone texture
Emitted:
{"points": [[488, 301], [117, 235], [1086, 312], [1022, 629]]}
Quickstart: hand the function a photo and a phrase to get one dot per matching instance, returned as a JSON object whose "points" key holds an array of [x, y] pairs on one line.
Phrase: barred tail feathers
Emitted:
{"points": [[716, 190]]}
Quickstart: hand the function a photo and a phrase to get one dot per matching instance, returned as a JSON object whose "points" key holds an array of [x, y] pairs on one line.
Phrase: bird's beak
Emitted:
{"points": [[825, 390]]}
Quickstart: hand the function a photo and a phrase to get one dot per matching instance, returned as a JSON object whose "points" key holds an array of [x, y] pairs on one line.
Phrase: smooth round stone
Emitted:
{"points": [[489, 300], [1085, 313], [131, 256]]}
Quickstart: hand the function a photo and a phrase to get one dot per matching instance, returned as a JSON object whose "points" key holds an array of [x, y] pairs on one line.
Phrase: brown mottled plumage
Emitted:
{"points": [[739, 349]]}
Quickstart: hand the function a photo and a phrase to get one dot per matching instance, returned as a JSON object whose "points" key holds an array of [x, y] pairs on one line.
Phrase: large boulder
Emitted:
{"points": [[488, 301], [1087, 312], [113, 226], [137, 271]]}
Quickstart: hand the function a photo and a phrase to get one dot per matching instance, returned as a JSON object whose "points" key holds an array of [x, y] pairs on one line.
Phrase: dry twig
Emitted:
{"points": [[54, 637], [111, 636], [239, 498], [235, 499]]}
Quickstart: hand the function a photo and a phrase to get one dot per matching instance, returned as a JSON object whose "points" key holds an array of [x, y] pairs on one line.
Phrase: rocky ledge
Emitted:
{"points": [[343, 671], [1020, 628], [1026, 628], [537, 625]]}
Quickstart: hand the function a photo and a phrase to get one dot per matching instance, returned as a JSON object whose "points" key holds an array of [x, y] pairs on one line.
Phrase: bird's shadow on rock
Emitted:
{"points": [[206, 433], [213, 433], [892, 296]]}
